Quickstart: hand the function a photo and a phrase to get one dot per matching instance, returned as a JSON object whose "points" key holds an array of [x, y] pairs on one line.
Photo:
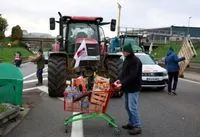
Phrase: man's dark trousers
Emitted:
{"points": [[172, 76], [39, 76]]}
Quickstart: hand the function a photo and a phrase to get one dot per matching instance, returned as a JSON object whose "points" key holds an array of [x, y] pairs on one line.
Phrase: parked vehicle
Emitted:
{"points": [[153, 75], [75, 31]]}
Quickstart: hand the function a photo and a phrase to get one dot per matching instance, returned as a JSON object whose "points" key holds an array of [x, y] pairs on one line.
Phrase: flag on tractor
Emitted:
{"points": [[80, 53]]}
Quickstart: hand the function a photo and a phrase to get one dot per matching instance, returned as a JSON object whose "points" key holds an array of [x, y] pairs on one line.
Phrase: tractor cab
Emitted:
{"points": [[75, 29], [117, 43], [134, 39]]}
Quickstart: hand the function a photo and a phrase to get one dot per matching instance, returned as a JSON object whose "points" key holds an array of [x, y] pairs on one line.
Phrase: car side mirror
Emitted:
{"points": [[113, 25], [59, 37], [52, 23]]}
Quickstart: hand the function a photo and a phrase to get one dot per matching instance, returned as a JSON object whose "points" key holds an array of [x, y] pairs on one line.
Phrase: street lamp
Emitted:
{"points": [[119, 16], [188, 31]]}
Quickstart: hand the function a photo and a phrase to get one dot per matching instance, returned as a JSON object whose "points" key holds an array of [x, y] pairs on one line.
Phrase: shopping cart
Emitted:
{"points": [[95, 108]]}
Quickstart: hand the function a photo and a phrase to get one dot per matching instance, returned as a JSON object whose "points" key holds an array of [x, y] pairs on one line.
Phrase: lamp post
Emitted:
{"points": [[119, 17], [188, 30]]}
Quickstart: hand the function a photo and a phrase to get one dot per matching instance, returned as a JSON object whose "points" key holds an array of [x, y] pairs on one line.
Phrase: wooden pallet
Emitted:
{"points": [[188, 51]]}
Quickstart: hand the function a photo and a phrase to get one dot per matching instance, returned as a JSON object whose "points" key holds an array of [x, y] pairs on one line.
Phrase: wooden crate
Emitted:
{"points": [[188, 51], [99, 98]]}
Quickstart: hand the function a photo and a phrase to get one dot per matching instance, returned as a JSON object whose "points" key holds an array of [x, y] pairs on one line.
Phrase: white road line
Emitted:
{"points": [[43, 88], [32, 74], [28, 89], [45, 74], [33, 80], [77, 126], [26, 77], [191, 81]]}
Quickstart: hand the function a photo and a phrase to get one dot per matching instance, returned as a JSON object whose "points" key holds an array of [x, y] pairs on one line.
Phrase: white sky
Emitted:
{"points": [[33, 15]]}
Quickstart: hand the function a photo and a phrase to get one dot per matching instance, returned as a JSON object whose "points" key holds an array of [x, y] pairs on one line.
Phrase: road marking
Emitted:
{"points": [[191, 81], [33, 80], [28, 89], [43, 88], [77, 126], [26, 77], [32, 74], [45, 74]]}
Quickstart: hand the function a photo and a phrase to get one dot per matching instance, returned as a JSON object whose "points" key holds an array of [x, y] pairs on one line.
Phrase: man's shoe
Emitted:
{"points": [[174, 93], [135, 131], [127, 126], [169, 93]]}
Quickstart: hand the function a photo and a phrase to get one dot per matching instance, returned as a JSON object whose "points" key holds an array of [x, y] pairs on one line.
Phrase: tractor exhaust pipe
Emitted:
{"points": [[60, 14]]}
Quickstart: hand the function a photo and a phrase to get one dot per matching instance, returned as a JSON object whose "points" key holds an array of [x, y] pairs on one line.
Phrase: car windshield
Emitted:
{"points": [[146, 59]]}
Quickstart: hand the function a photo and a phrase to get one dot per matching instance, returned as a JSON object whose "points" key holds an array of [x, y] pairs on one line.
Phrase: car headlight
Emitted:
{"points": [[147, 74], [164, 73]]}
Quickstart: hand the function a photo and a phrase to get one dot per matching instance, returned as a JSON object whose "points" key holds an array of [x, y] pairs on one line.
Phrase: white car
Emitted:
{"points": [[153, 75], [46, 56]]}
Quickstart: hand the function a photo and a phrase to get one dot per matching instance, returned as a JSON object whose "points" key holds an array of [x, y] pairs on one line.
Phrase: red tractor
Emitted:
{"points": [[72, 31]]}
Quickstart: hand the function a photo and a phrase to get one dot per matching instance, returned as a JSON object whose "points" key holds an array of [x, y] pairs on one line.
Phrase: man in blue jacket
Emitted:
{"points": [[172, 61]]}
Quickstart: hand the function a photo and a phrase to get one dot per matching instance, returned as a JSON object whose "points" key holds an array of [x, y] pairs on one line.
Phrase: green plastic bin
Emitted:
{"points": [[11, 84]]}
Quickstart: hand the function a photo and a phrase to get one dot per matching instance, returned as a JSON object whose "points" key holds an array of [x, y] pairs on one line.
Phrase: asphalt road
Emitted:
{"points": [[162, 115]]}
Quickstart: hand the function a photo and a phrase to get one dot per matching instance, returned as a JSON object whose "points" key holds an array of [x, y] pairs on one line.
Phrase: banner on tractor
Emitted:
{"points": [[80, 53]]}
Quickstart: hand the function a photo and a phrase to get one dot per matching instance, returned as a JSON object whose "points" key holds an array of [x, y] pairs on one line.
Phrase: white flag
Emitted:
{"points": [[80, 53]]}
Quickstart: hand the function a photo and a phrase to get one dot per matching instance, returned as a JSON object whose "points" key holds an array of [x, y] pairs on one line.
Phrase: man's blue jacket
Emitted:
{"points": [[172, 61]]}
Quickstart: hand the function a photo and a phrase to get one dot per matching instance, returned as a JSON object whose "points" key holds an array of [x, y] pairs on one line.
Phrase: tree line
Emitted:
{"points": [[16, 33]]}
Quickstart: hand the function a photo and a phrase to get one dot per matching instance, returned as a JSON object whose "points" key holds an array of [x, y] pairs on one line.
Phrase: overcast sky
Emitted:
{"points": [[33, 15]]}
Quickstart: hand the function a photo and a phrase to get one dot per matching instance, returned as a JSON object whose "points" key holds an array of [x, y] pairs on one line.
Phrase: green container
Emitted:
{"points": [[11, 84]]}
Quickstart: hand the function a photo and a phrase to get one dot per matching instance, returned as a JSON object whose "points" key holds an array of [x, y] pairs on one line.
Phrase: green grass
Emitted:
{"points": [[7, 53], [197, 47], [161, 51], [4, 42], [3, 108]]}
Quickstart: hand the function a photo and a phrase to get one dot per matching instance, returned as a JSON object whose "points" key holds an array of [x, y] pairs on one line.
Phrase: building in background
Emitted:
{"points": [[35, 35], [165, 34], [174, 33]]}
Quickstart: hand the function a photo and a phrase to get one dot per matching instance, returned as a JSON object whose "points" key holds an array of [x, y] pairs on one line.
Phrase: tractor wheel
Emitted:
{"points": [[57, 75], [114, 67]]}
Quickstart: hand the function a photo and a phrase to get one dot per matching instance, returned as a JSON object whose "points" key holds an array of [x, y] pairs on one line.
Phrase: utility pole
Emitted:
{"points": [[119, 17]]}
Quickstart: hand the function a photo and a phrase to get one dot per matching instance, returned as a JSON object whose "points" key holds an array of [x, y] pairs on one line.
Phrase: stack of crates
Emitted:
{"points": [[188, 51]]}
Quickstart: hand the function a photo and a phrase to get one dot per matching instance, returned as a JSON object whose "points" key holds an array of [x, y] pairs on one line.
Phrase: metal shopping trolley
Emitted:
{"points": [[95, 107]]}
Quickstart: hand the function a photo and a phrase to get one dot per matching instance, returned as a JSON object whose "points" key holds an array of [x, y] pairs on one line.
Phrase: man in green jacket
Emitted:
{"points": [[40, 61]]}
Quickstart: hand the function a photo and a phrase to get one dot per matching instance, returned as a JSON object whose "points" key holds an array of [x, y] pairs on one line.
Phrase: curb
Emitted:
{"points": [[186, 78], [13, 123]]}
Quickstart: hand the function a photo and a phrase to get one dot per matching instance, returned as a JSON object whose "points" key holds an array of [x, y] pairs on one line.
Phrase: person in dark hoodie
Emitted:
{"points": [[171, 61], [130, 79]]}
